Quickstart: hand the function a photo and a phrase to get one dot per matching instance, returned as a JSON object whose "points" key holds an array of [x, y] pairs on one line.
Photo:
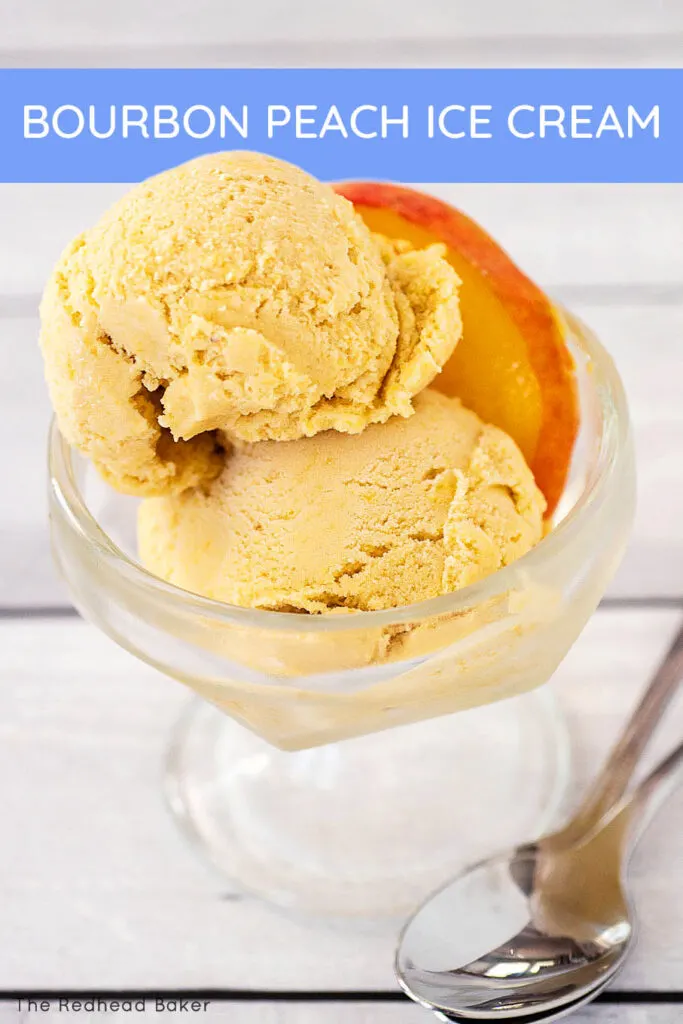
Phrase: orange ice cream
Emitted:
{"points": [[235, 293], [407, 510]]}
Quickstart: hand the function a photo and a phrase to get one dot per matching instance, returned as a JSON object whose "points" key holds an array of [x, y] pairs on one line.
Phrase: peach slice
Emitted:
{"points": [[512, 365]]}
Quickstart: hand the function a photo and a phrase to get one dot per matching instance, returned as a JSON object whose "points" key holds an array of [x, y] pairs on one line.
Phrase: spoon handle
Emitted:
{"points": [[624, 824], [652, 792], [616, 774]]}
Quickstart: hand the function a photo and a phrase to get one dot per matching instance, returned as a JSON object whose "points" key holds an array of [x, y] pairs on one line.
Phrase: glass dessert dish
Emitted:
{"points": [[324, 768]]}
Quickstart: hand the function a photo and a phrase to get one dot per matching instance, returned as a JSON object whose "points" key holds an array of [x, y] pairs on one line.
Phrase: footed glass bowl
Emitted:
{"points": [[325, 768]]}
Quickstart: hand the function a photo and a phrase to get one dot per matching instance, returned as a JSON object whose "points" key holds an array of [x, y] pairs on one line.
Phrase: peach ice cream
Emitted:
{"points": [[405, 511], [235, 293]]}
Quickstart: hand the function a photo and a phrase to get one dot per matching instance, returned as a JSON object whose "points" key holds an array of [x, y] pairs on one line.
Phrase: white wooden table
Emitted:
{"points": [[97, 889]]}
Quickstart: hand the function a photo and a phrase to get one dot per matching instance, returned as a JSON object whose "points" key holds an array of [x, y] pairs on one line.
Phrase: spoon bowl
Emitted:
{"points": [[539, 1016], [518, 947]]}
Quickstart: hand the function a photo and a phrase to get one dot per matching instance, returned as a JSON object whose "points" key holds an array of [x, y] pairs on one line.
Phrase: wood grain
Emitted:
{"points": [[437, 33], [132, 23], [98, 889], [630, 50]]}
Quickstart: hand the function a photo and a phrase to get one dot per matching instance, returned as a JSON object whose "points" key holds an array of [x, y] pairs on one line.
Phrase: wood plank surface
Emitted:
{"points": [[264, 1012], [566, 50], [99, 891], [131, 23], [437, 33]]}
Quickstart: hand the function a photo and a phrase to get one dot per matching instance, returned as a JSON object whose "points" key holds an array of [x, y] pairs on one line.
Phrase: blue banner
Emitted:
{"points": [[506, 125]]}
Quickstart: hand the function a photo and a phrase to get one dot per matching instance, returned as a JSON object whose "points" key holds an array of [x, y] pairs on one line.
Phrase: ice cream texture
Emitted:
{"points": [[236, 296], [404, 511]]}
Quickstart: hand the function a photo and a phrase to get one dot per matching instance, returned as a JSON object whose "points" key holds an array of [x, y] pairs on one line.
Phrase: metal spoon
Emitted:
{"points": [[583, 923], [540, 1017], [531, 934]]}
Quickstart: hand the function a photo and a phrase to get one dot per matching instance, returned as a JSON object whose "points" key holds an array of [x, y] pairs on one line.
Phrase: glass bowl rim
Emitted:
{"points": [[65, 494]]}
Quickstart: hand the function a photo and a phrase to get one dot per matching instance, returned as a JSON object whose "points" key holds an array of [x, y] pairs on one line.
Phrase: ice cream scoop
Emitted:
{"points": [[405, 511], [235, 293]]}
